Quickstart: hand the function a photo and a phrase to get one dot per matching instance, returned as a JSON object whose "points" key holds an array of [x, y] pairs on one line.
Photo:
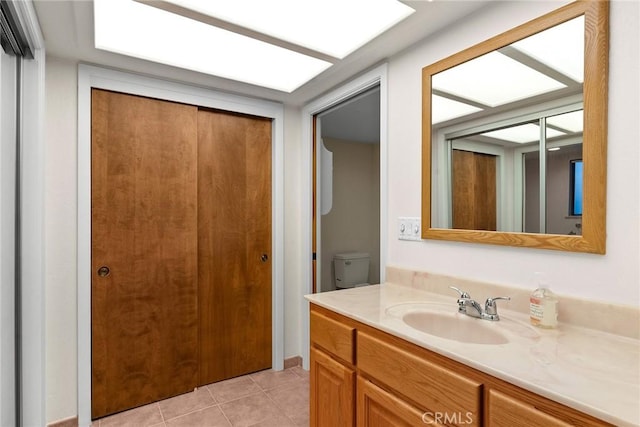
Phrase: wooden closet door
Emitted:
{"points": [[144, 230], [234, 244], [474, 191]]}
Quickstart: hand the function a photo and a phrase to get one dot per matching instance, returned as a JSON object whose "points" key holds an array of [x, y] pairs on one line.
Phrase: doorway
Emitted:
{"points": [[347, 189], [95, 77], [375, 77]]}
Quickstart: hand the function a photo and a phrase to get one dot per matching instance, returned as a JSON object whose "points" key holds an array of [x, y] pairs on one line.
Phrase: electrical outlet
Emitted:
{"points": [[409, 228]]}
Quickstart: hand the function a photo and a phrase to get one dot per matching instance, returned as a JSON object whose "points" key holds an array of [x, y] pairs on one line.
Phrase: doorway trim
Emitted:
{"points": [[90, 76], [374, 77]]}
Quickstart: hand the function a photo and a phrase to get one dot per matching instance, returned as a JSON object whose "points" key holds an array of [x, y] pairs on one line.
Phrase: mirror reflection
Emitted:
{"points": [[506, 125]]}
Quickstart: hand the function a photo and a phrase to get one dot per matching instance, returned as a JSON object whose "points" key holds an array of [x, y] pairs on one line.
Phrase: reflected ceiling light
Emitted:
{"points": [[553, 149], [560, 47], [443, 109], [521, 134], [332, 27], [494, 79], [134, 29], [572, 121]]}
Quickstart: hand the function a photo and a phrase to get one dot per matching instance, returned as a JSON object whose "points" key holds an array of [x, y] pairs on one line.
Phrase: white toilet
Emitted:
{"points": [[351, 270]]}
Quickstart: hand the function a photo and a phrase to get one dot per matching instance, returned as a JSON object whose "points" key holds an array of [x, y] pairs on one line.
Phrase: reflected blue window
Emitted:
{"points": [[575, 208]]}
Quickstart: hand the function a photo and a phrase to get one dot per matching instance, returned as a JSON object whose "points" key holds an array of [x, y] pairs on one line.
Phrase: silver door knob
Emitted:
{"points": [[264, 258]]}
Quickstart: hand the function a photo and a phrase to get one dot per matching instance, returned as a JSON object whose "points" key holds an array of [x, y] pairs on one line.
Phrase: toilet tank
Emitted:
{"points": [[351, 269]]}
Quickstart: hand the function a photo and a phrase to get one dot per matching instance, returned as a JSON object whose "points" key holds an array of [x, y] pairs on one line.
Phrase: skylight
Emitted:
{"points": [[572, 121], [560, 47], [131, 28], [443, 109], [521, 134], [494, 79], [333, 27]]}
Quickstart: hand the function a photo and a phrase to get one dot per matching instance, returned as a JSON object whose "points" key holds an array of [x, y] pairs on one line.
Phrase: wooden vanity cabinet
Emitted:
{"points": [[365, 377], [333, 375]]}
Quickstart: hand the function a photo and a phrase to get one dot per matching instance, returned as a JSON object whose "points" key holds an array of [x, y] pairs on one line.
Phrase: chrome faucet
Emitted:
{"points": [[467, 305], [470, 307]]}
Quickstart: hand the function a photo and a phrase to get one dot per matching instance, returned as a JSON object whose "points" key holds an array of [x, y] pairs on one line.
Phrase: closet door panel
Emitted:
{"points": [[144, 251], [234, 240]]}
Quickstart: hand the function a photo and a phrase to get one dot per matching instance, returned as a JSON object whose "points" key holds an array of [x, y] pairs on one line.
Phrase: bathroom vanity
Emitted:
{"points": [[381, 356]]}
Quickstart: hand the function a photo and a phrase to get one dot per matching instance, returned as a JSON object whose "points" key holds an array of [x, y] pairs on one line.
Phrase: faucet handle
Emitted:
{"points": [[462, 293], [490, 307]]}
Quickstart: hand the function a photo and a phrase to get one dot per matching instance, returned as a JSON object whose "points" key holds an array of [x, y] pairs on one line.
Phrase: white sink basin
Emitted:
{"points": [[455, 326], [443, 320]]}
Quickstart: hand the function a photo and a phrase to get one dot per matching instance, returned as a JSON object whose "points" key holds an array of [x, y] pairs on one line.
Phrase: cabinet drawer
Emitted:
{"points": [[506, 411], [376, 407], [437, 389], [333, 336]]}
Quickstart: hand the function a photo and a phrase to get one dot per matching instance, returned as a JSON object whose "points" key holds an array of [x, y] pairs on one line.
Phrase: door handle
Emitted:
{"points": [[103, 271], [264, 258]]}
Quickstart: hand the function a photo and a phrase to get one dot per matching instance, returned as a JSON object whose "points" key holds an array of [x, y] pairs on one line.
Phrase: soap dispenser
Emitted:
{"points": [[543, 305]]}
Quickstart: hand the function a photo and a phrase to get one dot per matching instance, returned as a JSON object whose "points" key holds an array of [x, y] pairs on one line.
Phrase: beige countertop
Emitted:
{"points": [[592, 371]]}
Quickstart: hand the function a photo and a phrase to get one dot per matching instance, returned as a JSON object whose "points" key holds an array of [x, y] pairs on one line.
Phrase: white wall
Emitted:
{"points": [[293, 170], [353, 223], [60, 238], [614, 277]]}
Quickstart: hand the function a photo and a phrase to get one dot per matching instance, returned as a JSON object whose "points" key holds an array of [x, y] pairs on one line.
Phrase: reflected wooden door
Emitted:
{"points": [[144, 251], [234, 239], [474, 191]]}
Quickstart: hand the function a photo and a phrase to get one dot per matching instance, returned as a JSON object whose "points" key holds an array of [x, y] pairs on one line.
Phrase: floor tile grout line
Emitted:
{"points": [[165, 419], [280, 409], [211, 394], [305, 374], [280, 384], [286, 384], [192, 412], [243, 397], [225, 415], [263, 391], [160, 409], [240, 397]]}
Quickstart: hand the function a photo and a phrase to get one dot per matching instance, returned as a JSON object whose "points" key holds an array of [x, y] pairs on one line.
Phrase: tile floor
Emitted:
{"points": [[266, 399]]}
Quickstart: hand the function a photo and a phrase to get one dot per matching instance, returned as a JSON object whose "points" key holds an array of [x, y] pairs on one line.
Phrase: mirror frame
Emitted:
{"points": [[595, 95]]}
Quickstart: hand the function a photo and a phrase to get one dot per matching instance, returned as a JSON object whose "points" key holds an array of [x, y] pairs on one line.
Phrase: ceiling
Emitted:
{"points": [[355, 120], [67, 27]]}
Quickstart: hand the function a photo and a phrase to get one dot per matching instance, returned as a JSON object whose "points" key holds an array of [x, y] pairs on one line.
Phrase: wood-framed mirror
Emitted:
{"points": [[491, 141]]}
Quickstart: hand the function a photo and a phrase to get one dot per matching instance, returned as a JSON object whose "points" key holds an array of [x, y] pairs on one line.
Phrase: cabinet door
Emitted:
{"points": [[506, 411], [378, 408], [332, 392]]}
